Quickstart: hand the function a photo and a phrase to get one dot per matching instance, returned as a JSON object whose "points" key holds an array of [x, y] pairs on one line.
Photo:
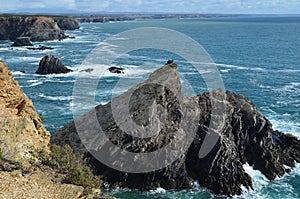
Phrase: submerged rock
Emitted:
{"points": [[51, 65], [22, 41], [220, 133]]}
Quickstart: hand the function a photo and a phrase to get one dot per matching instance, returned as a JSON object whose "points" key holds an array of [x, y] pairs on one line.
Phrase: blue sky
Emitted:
{"points": [[175, 6]]}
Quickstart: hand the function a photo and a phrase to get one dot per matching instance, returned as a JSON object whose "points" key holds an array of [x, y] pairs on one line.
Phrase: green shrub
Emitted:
{"points": [[62, 158], [83, 176], [77, 171]]}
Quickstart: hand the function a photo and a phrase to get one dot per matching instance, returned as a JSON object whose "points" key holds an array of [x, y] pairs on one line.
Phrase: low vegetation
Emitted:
{"points": [[75, 169]]}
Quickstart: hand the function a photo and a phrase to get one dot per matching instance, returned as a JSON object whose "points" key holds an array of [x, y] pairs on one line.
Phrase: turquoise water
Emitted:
{"points": [[257, 57]]}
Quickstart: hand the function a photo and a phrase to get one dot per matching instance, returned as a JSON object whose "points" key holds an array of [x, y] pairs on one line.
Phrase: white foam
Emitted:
{"points": [[35, 84], [158, 191], [225, 70], [18, 73], [32, 81], [56, 98], [285, 125], [240, 67]]}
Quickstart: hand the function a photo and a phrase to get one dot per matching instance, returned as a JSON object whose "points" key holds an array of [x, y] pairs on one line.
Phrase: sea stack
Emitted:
{"points": [[22, 41], [51, 65], [227, 124]]}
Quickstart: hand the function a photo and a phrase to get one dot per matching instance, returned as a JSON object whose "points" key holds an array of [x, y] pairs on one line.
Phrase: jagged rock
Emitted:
{"points": [[51, 65], [21, 128], [41, 47], [38, 28], [117, 70], [22, 41], [227, 126]]}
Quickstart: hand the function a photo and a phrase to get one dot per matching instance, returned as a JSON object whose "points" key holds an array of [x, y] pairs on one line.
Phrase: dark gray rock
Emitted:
{"points": [[117, 70], [237, 132], [51, 65], [22, 41]]}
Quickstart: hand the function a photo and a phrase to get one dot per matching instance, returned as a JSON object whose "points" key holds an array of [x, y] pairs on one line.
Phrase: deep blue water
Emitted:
{"points": [[257, 57]]}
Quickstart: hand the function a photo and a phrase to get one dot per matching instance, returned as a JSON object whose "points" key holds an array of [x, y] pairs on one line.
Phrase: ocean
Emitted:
{"points": [[258, 57]]}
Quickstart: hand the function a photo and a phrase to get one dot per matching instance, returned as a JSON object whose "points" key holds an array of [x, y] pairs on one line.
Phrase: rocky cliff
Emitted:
{"points": [[207, 138], [22, 137], [21, 127], [38, 28]]}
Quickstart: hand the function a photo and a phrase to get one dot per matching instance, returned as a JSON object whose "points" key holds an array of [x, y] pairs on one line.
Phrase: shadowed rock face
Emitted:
{"points": [[227, 125], [51, 65]]}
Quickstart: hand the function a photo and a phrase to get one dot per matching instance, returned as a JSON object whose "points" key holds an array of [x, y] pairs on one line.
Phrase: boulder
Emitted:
{"points": [[22, 41], [51, 65], [212, 136]]}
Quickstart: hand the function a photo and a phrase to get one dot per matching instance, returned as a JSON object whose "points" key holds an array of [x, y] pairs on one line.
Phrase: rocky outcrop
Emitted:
{"points": [[117, 70], [21, 127], [51, 65], [38, 28], [67, 23], [213, 134], [22, 41]]}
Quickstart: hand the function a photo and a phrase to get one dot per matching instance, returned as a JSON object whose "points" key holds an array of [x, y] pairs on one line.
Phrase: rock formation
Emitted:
{"points": [[38, 28], [22, 41], [21, 128], [51, 65], [214, 133]]}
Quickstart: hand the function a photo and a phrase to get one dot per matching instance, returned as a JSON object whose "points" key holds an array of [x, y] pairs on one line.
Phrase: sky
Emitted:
{"points": [[173, 6]]}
